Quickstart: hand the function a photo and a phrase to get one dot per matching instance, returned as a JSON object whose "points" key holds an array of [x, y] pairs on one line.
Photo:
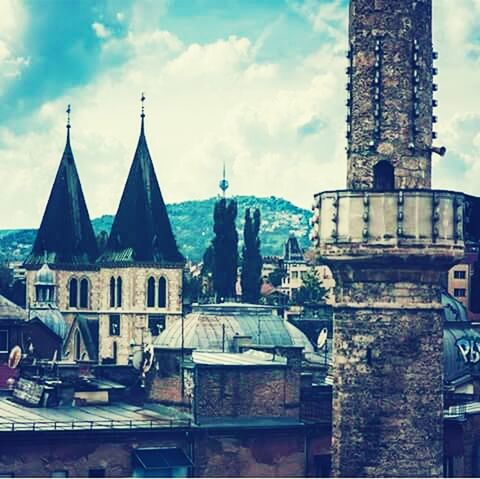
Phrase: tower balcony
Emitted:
{"points": [[395, 224]]}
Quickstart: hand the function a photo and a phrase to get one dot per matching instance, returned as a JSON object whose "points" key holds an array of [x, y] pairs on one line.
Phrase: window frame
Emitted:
{"points": [[162, 293], [73, 295], [111, 323]]}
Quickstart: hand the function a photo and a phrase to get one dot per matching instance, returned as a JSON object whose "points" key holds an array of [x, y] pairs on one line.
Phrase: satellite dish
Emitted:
{"points": [[147, 359], [14, 357], [137, 359], [322, 338]]}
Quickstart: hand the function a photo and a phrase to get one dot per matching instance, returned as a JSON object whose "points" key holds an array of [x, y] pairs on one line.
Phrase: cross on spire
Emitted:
{"points": [[143, 106], [69, 109]]}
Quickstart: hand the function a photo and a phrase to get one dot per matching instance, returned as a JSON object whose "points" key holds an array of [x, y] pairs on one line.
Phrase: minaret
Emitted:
{"points": [[389, 241], [65, 236], [390, 86]]}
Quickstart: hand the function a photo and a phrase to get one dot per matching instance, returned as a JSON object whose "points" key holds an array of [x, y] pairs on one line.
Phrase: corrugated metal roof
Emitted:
{"points": [[249, 358], [15, 417]]}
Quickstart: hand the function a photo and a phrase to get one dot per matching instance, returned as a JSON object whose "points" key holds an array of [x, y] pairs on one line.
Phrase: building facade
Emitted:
{"points": [[133, 288]]}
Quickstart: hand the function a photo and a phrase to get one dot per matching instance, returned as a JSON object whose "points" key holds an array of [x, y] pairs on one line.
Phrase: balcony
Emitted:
{"points": [[418, 222]]}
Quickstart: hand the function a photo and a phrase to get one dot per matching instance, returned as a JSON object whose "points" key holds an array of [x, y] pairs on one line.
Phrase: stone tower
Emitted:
{"points": [[389, 239]]}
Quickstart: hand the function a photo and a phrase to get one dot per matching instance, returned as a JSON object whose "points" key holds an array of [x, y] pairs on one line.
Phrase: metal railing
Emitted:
{"points": [[16, 426]]}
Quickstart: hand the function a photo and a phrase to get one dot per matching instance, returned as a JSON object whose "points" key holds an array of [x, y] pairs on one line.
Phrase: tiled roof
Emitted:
{"points": [[9, 310], [141, 231], [65, 235]]}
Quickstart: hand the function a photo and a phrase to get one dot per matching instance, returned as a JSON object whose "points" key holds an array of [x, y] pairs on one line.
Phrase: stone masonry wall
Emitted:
{"points": [[387, 394], [390, 111], [242, 392]]}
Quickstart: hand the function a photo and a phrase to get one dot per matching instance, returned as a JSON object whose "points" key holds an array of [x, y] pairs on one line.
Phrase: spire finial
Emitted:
{"points": [[224, 182], [69, 109], [143, 106]]}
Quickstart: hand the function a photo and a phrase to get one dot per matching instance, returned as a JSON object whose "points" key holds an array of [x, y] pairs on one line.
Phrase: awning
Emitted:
{"points": [[161, 458]]}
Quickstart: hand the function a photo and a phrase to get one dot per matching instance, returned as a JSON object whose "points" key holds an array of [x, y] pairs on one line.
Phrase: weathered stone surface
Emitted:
{"points": [[404, 77]]}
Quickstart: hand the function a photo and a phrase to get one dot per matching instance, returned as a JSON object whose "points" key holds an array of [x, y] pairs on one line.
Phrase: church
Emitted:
{"points": [[106, 305]]}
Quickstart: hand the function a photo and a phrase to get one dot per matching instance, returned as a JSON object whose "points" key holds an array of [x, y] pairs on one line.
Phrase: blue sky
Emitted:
{"points": [[258, 84]]}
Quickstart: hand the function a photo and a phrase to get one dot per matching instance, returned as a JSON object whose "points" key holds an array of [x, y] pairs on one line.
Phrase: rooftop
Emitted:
{"points": [[120, 416]]}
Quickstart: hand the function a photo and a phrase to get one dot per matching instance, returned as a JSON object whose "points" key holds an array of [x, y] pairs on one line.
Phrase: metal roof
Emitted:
{"points": [[214, 327], [65, 234], [15, 417], [141, 230], [248, 358], [9, 310]]}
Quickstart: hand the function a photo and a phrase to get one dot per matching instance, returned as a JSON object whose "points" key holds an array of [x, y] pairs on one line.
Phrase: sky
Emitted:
{"points": [[257, 84]]}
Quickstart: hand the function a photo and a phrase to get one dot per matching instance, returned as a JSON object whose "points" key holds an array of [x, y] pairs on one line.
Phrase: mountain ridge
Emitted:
{"points": [[192, 223]]}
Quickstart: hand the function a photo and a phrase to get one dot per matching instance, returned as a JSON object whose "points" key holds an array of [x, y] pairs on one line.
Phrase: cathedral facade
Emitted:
{"points": [[117, 300]]}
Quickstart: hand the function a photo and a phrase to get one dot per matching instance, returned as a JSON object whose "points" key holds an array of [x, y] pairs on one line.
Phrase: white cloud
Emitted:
{"points": [[100, 30]]}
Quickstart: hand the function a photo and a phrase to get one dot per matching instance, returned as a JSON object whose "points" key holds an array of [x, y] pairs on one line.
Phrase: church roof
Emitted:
{"points": [[141, 231], [66, 235]]}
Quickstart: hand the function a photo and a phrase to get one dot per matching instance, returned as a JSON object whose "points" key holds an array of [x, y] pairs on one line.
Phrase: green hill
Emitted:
{"points": [[192, 222]]}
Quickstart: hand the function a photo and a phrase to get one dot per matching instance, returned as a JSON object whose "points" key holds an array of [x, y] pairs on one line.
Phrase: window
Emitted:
{"points": [[294, 274], [151, 292], [119, 291], [459, 292], [459, 274], [59, 474], [73, 292], [112, 292], [114, 351], [84, 293], [156, 323], [96, 473], [383, 176], [114, 324], [78, 345], [4, 341], [162, 292]]}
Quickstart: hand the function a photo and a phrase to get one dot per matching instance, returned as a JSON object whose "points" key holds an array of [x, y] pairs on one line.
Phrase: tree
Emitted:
{"points": [[311, 293], [225, 253], [276, 276], [251, 279]]}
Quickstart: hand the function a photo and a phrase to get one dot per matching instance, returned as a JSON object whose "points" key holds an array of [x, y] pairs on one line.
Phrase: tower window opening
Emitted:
{"points": [[119, 291], [84, 293], [151, 292], [383, 176], [112, 292], [73, 293], [162, 292]]}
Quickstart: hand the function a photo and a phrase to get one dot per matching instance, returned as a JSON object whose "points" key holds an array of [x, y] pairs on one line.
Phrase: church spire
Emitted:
{"points": [[65, 235], [141, 231]]}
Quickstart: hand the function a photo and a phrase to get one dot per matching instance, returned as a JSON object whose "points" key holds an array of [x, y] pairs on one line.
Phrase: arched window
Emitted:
{"points": [[151, 292], [383, 176], [84, 293], [78, 345], [73, 292], [162, 292], [119, 291], [112, 292]]}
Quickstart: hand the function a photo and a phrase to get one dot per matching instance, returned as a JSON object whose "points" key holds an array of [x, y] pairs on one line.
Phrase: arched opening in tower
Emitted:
{"points": [[383, 176]]}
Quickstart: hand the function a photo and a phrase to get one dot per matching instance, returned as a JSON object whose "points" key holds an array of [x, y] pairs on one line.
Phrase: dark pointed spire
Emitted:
{"points": [[141, 231], [65, 236]]}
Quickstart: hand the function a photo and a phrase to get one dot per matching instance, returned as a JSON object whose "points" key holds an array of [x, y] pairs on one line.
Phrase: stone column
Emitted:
{"points": [[388, 344]]}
